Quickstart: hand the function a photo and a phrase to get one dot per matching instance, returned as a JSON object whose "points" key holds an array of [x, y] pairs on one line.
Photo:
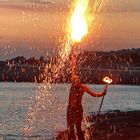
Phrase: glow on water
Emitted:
{"points": [[12, 113]]}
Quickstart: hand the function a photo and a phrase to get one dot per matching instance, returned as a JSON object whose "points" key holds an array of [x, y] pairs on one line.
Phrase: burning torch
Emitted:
{"points": [[108, 81]]}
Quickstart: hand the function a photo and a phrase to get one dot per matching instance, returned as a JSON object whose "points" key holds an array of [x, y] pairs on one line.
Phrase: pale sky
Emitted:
{"points": [[40, 24]]}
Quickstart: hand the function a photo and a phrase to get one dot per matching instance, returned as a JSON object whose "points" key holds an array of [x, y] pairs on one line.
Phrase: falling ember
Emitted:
{"points": [[78, 21], [107, 80], [41, 110]]}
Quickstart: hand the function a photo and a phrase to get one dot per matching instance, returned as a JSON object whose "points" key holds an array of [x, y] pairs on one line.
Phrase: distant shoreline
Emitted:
{"points": [[67, 83], [122, 66]]}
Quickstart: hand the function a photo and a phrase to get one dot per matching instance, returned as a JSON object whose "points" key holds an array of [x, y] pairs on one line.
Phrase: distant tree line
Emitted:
{"points": [[123, 66]]}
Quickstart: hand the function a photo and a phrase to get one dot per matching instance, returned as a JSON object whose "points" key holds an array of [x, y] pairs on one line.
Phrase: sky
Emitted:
{"points": [[35, 27]]}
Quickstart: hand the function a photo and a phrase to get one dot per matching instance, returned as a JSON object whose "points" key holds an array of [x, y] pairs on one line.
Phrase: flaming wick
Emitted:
{"points": [[108, 81]]}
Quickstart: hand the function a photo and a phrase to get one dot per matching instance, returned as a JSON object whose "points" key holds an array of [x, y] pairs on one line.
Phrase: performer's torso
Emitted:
{"points": [[76, 94]]}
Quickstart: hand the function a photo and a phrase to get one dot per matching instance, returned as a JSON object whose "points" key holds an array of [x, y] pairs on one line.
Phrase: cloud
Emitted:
{"points": [[112, 6], [26, 1], [10, 49], [118, 6], [34, 5]]}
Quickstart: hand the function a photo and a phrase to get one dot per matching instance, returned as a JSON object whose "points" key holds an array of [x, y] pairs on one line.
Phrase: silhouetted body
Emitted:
{"points": [[75, 109]]}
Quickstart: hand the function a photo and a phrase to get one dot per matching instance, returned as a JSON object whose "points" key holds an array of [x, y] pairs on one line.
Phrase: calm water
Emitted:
{"points": [[14, 99]]}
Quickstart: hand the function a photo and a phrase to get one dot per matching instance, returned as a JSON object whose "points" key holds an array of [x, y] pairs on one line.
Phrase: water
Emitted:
{"points": [[14, 99]]}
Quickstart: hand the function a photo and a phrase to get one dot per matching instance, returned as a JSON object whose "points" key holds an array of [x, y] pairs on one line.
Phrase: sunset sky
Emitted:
{"points": [[34, 27]]}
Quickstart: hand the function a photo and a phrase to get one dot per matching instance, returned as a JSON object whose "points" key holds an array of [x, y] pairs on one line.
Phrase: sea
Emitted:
{"points": [[23, 107]]}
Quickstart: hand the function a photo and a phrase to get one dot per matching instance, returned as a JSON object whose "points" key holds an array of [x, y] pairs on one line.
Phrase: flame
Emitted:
{"points": [[78, 21], [108, 80]]}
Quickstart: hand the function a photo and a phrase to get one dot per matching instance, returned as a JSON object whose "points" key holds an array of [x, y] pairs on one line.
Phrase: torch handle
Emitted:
{"points": [[106, 86], [97, 117], [102, 99], [101, 105]]}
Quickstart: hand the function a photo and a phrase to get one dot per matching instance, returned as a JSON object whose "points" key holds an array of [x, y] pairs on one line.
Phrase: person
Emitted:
{"points": [[75, 109]]}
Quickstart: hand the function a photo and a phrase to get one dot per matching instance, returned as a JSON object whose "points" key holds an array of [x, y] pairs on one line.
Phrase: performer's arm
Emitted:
{"points": [[74, 59], [98, 94], [74, 65]]}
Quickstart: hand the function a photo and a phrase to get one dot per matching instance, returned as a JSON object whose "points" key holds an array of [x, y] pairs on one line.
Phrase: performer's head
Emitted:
{"points": [[75, 80]]}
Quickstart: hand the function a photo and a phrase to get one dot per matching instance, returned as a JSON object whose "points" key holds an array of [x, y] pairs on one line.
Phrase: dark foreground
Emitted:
{"points": [[112, 126]]}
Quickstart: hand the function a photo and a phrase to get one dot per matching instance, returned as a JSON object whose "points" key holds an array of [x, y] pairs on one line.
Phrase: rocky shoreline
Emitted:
{"points": [[112, 126]]}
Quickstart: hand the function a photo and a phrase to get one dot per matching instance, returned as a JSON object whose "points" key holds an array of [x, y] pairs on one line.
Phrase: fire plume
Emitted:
{"points": [[78, 21]]}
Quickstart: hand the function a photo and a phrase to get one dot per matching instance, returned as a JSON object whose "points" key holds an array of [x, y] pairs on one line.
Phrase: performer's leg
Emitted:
{"points": [[71, 133], [79, 131], [70, 124]]}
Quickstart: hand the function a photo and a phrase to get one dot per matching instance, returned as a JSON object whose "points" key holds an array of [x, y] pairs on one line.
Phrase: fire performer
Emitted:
{"points": [[75, 109], [78, 26]]}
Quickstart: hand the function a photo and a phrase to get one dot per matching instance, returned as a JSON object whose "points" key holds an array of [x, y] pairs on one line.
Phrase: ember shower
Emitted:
{"points": [[83, 17]]}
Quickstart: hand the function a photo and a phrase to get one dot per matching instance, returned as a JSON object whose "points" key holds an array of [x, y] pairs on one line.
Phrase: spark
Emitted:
{"points": [[79, 23]]}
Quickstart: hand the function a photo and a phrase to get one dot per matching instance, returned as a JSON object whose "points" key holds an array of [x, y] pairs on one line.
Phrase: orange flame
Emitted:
{"points": [[107, 80], [78, 21], [84, 18]]}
